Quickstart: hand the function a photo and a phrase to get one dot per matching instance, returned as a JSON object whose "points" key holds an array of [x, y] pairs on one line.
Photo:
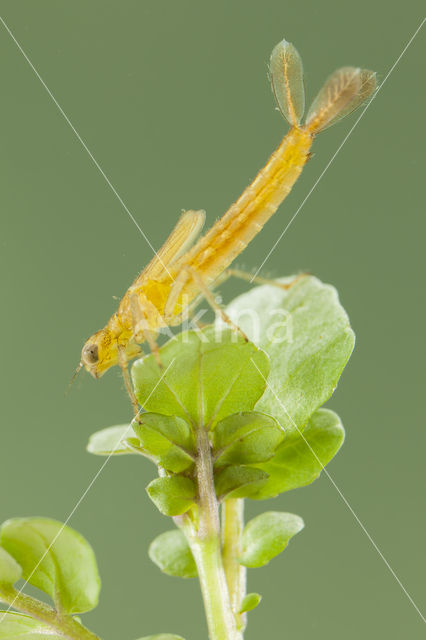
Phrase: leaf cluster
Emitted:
{"points": [[260, 403]]}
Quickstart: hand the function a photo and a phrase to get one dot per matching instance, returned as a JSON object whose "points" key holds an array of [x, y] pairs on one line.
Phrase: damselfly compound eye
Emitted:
{"points": [[90, 354]]}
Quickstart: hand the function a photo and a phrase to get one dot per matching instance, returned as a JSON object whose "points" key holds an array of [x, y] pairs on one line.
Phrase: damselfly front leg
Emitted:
{"points": [[142, 330], [124, 366]]}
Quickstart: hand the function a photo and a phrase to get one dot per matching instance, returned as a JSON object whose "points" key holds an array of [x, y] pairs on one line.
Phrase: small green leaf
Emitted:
{"points": [[250, 602], [10, 570], [238, 482], [56, 559], [299, 461], [173, 496], [266, 536], [162, 636], [171, 553], [168, 439], [112, 440], [206, 375], [244, 438], [307, 335], [17, 626]]}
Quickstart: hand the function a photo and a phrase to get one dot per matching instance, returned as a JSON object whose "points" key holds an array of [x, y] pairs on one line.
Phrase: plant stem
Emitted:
{"points": [[63, 625], [236, 574], [206, 548]]}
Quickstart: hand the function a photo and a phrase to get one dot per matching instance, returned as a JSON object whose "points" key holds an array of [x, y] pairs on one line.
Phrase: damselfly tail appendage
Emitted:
{"points": [[344, 91]]}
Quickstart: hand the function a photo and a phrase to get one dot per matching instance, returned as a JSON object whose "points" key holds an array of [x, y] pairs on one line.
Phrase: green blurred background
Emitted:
{"points": [[173, 100]]}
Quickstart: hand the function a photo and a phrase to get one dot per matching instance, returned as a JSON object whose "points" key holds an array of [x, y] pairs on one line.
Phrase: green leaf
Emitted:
{"points": [[168, 439], [250, 602], [17, 626], [238, 482], [299, 461], [204, 376], [266, 536], [10, 570], [56, 559], [244, 438], [171, 553], [307, 335], [112, 440], [162, 636], [173, 496]]}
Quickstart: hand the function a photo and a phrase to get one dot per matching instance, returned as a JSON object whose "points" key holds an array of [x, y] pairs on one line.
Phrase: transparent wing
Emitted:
{"points": [[180, 240], [368, 85], [286, 73], [338, 92]]}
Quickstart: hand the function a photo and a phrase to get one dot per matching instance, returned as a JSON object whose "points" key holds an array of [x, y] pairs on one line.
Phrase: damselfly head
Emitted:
{"points": [[99, 353]]}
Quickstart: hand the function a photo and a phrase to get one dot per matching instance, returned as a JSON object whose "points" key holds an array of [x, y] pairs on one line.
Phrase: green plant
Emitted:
{"points": [[223, 420]]}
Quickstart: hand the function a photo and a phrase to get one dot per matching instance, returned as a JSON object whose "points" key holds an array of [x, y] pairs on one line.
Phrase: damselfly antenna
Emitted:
{"points": [[74, 375]]}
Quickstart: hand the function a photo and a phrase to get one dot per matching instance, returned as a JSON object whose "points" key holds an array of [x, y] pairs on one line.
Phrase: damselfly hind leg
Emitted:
{"points": [[178, 286], [210, 298], [245, 275]]}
